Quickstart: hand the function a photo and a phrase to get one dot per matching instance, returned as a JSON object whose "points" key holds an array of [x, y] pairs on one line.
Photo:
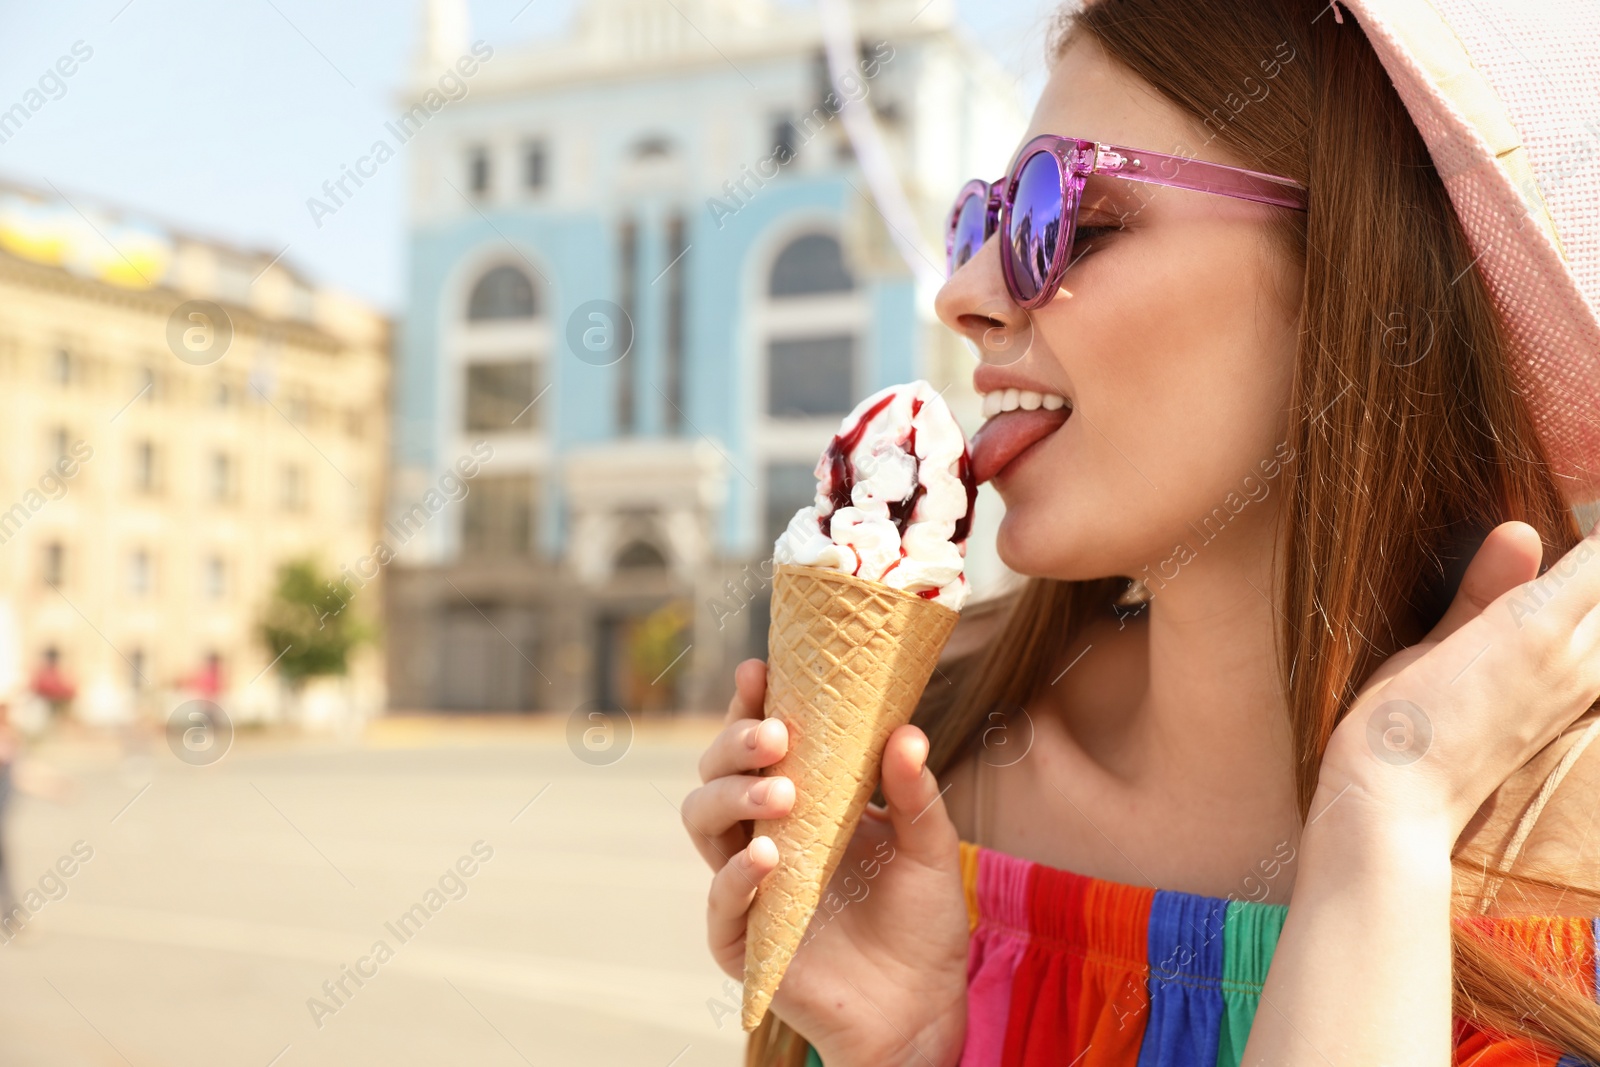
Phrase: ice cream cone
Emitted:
{"points": [[847, 662]]}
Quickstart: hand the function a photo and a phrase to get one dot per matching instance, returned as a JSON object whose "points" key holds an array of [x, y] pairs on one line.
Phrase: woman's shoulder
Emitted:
{"points": [[1564, 838]]}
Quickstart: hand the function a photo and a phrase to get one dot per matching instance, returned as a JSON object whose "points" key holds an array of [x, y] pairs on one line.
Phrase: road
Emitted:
{"points": [[434, 892]]}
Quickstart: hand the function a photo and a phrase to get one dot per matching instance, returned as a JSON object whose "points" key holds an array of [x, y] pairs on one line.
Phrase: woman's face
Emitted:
{"points": [[1169, 339]]}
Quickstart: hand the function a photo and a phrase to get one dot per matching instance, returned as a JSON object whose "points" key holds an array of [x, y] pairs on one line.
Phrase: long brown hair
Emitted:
{"points": [[1410, 437]]}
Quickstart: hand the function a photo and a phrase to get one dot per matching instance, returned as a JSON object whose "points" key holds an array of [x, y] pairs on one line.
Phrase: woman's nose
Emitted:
{"points": [[974, 303]]}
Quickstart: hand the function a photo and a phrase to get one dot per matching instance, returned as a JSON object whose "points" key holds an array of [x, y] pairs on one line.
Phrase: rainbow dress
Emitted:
{"points": [[1065, 969]]}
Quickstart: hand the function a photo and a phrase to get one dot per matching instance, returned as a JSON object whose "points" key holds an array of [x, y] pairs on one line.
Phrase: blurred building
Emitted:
{"points": [[648, 278], [178, 417]]}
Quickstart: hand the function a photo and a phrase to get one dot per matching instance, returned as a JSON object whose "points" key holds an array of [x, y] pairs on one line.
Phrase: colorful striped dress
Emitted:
{"points": [[1067, 969]]}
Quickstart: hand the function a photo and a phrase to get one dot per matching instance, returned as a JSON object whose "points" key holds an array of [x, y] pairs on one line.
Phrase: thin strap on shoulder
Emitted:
{"points": [[980, 800], [1529, 817]]}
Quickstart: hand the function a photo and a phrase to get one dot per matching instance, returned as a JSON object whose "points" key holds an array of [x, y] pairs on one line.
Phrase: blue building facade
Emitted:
{"points": [[647, 278]]}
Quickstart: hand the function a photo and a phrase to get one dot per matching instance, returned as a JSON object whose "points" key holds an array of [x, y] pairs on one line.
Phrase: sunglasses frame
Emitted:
{"points": [[1075, 160]]}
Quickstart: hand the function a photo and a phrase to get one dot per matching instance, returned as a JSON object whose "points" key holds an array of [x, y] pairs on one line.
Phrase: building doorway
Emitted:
{"points": [[641, 656], [487, 661]]}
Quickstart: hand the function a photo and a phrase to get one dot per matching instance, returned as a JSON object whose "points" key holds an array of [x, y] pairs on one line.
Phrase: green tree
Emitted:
{"points": [[308, 625]]}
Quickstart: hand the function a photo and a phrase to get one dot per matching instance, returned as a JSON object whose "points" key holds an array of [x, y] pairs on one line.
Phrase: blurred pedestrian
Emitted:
{"points": [[52, 683], [208, 682], [9, 745]]}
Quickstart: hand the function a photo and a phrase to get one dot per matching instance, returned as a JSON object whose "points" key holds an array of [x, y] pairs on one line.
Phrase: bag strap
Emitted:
{"points": [[1529, 817]]}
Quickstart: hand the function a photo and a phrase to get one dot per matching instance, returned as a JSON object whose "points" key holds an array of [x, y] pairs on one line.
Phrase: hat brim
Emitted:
{"points": [[1522, 184]]}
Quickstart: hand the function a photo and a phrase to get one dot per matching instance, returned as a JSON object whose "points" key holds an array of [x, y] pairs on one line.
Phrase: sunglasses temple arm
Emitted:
{"points": [[1183, 173]]}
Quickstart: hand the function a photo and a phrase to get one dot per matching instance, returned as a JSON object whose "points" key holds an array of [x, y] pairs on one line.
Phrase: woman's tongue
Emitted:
{"points": [[1004, 436]]}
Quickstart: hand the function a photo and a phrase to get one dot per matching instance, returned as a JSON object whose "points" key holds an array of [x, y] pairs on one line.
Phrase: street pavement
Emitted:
{"points": [[434, 892]]}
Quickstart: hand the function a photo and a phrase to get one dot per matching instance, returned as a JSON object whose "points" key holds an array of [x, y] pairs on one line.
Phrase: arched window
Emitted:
{"points": [[502, 293], [810, 265], [640, 555], [812, 334]]}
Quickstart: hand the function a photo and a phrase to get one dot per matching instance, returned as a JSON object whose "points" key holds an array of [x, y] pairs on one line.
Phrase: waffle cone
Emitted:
{"points": [[847, 662]]}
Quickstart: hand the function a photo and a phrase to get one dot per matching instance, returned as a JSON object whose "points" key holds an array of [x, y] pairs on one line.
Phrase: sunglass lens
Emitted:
{"points": [[968, 236], [1035, 225]]}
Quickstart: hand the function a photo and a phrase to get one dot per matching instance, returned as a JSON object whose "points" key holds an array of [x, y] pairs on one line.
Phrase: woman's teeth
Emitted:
{"points": [[1012, 399]]}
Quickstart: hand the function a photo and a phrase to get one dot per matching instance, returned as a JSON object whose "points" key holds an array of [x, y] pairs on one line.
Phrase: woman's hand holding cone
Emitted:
{"points": [[881, 976]]}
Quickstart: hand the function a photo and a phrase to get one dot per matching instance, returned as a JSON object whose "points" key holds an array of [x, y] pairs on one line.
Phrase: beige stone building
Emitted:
{"points": [[177, 418]]}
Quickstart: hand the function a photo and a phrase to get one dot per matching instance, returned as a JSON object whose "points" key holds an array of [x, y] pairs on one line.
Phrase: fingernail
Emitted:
{"points": [[753, 738], [769, 730], [759, 791], [763, 843]]}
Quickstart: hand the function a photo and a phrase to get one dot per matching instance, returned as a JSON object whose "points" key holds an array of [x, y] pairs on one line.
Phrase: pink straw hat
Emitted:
{"points": [[1506, 93]]}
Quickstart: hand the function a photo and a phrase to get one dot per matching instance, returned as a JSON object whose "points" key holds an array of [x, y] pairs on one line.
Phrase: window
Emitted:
{"points": [[677, 273], [55, 564], [535, 164], [811, 360], [790, 487], [138, 669], [221, 477], [60, 441], [652, 146], [497, 519], [783, 140], [146, 468], [292, 489], [149, 383], [627, 270], [478, 170], [221, 395], [810, 265], [214, 578], [811, 376], [498, 397], [640, 556], [61, 367], [502, 293], [140, 576]]}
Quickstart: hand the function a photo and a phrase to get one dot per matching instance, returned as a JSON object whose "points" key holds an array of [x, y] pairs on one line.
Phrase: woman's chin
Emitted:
{"points": [[1024, 548], [1039, 550]]}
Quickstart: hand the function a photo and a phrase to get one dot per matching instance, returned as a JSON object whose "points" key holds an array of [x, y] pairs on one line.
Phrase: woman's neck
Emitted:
{"points": [[1180, 710]]}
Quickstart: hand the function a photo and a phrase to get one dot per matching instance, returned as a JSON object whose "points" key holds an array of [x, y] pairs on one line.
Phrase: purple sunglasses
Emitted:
{"points": [[1046, 182]]}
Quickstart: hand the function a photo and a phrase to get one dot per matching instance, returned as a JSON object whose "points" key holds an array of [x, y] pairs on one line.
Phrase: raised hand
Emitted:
{"points": [[1516, 658]]}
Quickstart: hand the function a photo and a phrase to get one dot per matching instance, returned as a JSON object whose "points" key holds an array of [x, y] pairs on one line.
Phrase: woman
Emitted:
{"points": [[1306, 432]]}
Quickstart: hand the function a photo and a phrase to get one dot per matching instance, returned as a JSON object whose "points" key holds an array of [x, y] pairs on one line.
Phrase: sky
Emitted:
{"points": [[221, 117]]}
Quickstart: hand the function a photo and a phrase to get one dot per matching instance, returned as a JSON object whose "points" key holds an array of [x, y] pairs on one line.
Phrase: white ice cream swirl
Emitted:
{"points": [[902, 458]]}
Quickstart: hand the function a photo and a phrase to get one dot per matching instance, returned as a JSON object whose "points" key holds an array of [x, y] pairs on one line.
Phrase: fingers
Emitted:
{"points": [[1564, 595], [916, 808], [713, 814], [745, 745], [749, 690], [728, 906], [1508, 557], [1582, 563]]}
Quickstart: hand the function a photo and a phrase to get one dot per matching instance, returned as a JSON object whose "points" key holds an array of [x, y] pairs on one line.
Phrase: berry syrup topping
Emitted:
{"points": [[842, 472]]}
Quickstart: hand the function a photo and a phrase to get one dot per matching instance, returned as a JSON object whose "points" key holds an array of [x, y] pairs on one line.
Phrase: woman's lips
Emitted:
{"points": [[1003, 437]]}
